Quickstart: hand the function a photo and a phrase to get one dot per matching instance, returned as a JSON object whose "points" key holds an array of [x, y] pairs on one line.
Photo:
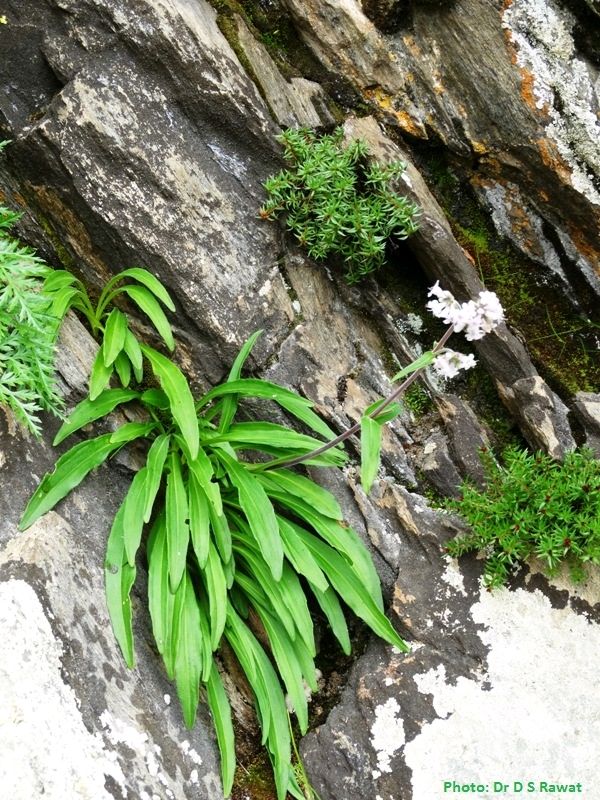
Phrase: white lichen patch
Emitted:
{"points": [[536, 711], [387, 734], [543, 35], [453, 577], [45, 749]]}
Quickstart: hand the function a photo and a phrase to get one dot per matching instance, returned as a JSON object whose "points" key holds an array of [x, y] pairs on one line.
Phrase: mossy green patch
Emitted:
{"points": [[255, 780], [418, 400]]}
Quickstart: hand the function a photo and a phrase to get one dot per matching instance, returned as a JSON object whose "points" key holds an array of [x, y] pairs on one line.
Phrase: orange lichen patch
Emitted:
{"points": [[479, 147], [553, 159], [71, 229], [385, 102], [583, 245], [528, 93]]}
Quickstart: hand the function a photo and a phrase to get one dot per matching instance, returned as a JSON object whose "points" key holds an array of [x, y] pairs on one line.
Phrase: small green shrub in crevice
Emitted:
{"points": [[533, 506], [28, 331], [336, 203]]}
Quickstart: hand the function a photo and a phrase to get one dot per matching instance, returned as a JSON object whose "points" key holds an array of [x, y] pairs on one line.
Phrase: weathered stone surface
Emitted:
{"points": [[466, 434], [587, 408], [138, 138], [75, 722], [544, 421], [531, 121], [293, 103], [436, 464], [539, 411]]}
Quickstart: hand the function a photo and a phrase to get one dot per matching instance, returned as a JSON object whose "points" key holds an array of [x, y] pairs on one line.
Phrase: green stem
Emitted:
{"points": [[292, 462]]}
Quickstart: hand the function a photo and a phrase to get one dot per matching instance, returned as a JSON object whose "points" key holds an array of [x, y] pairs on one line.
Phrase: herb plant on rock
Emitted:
{"points": [[336, 203], [533, 506], [235, 549], [28, 331]]}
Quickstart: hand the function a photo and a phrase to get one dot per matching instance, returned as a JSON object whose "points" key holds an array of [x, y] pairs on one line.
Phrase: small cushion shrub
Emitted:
{"points": [[336, 203], [533, 506]]}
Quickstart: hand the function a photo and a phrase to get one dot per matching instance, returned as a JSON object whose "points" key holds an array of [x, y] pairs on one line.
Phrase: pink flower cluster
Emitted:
{"points": [[476, 317]]}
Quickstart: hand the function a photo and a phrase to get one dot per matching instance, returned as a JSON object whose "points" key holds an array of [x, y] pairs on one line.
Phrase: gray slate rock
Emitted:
{"points": [[586, 407]]}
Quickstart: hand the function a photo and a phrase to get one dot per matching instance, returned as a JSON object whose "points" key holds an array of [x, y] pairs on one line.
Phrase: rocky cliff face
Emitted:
{"points": [[142, 132]]}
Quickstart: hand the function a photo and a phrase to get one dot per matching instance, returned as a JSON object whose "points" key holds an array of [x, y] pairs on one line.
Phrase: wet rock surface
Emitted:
{"points": [[142, 135]]}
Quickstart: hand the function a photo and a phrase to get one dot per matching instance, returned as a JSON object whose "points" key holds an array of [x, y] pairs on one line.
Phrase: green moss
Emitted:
{"points": [[418, 400], [65, 258], [255, 780]]}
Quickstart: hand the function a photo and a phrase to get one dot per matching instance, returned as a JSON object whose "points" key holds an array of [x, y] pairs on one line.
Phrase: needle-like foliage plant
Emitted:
{"points": [[28, 331], [533, 506], [336, 202], [237, 547]]}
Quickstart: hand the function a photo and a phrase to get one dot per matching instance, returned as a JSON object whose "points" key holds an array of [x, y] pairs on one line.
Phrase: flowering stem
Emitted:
{"points": [[438, 347]]}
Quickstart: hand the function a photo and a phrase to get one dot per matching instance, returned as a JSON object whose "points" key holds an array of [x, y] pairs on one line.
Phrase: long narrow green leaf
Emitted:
{"points": [[270, 437], [221, 534], [176, 387], [230, 402], [115, 332], [119, 577], [149, 305], [199, 520], [370, 448], [133, 516], [300, 556], [123, 368], [100, 375], [292, 402], [70, 469], [424, 360], [289, 667], [62, 300], [216, 589], [258, 511], [151, 282], [259, 569], [295, 600], [178, 532], [134, 352], [332, 609], [221, 714], [90, 410], [387, 415], [313, 494], [132, 430], [203, 472], [188, 650], [161, 601], [58, 279], [155, 462], [342, 538], [352, 591]]}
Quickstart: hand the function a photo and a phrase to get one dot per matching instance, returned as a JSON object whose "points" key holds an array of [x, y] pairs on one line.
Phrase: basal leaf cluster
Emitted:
{"points": [[336, 203], [238, 547], [533, 506]]}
